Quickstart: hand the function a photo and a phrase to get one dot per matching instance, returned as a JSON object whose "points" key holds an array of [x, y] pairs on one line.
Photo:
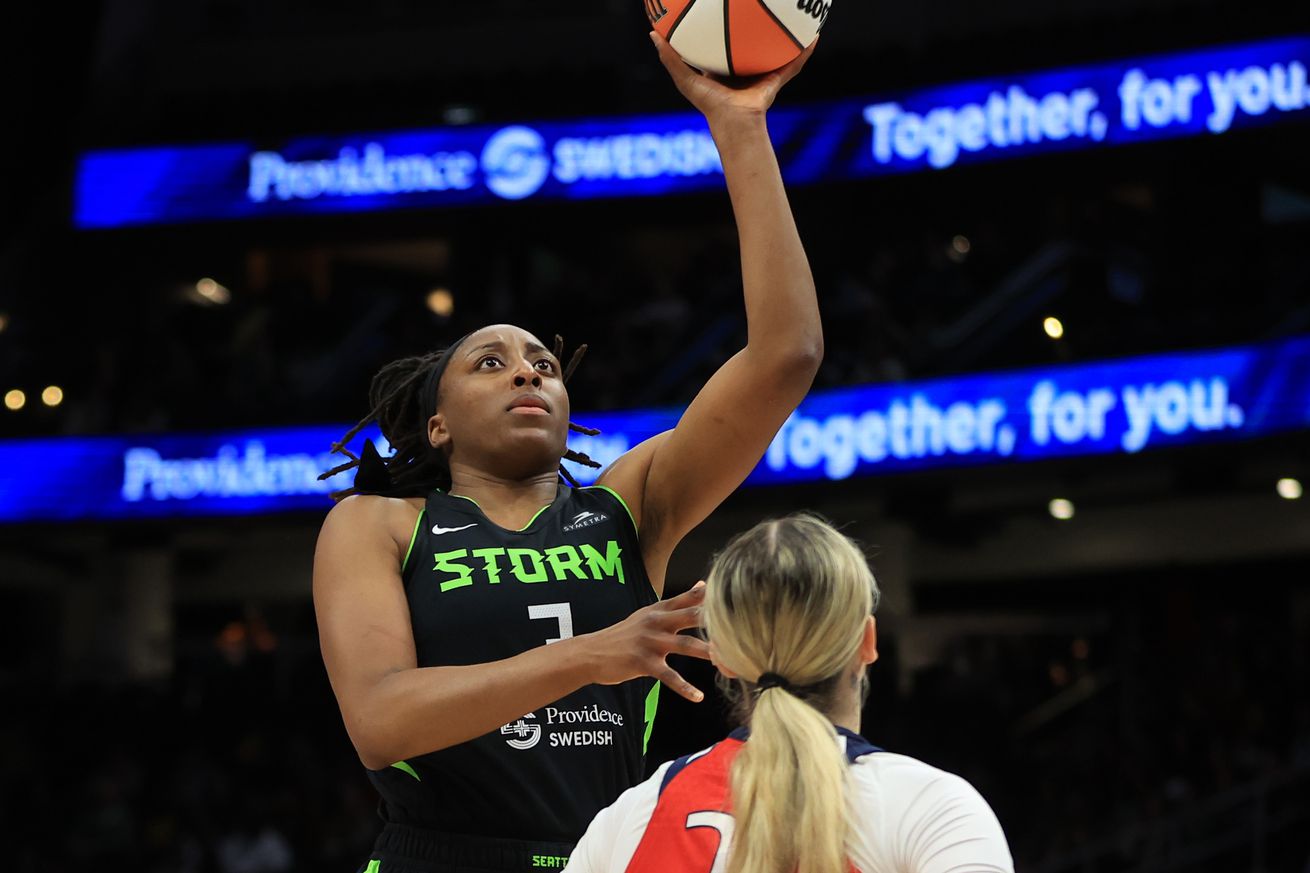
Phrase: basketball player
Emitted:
{"points": [[788, 614], [494, 638]]}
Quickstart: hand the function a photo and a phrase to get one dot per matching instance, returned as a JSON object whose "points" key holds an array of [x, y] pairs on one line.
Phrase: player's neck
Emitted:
{"points": [[510, 503], [848, 703], [848, 718]]}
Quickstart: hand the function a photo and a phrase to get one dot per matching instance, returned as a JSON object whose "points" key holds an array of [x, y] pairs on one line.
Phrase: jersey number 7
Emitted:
{"points": [[561, 612], [721, 822]]}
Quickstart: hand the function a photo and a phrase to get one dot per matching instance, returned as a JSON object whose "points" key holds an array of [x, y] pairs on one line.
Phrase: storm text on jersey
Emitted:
{"points": [[492, 565]]}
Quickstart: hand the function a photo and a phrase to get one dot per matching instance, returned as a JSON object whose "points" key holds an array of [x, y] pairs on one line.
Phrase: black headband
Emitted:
{"points": [[372, 475], [428, 398]]}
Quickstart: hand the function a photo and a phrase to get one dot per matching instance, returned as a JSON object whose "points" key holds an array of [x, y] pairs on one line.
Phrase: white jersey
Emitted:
{"points": [[908, 817]]}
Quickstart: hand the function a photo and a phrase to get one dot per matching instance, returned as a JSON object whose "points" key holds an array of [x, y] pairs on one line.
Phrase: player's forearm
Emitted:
{"points": [[782, 311], [414, 712]]}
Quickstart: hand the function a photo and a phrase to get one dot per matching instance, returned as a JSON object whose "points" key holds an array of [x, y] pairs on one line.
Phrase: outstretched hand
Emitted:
{"points": [[640, 644], [719, 98]]}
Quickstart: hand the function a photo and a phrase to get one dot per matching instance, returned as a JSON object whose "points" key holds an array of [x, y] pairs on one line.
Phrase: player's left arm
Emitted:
{"points": [[675, 480]]}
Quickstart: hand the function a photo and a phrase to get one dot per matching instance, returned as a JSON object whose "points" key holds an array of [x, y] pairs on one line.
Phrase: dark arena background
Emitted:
{"points": [[1063, 257]]}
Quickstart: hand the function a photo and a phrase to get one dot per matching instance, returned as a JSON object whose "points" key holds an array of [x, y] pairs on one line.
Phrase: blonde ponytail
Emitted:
{"points": [[788, 792], [790, 598]]}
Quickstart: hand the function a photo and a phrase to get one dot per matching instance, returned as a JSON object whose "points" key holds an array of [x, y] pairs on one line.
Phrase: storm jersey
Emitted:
{"points": [[478, 593], [906, 817]]}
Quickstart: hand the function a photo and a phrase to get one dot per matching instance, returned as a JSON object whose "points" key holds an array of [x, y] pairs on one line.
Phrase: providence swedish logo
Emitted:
{"points": [[522, 734]]}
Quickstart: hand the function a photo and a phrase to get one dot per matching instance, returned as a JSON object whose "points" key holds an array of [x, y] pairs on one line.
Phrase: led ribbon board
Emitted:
{"points": [[1195, 93], [1115, 407]]}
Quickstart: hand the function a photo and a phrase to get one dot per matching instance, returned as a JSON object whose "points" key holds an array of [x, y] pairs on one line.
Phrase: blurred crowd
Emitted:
{"points": [[1184, 719], [240, 765]]}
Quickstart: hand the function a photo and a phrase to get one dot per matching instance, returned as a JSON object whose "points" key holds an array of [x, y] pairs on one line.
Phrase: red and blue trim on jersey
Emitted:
{"points": [[693, 815]]}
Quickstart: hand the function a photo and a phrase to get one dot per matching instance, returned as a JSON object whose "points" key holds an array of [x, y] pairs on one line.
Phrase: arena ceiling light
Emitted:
{"points": [[441, 302], [1061, 509], [460, 114], [15, 400], [1289, 488], [211, 291], [1053, 326], [53, 395]]}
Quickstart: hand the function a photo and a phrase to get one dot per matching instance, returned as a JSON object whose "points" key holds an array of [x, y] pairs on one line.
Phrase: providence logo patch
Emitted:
{"points": [[521, 734]]}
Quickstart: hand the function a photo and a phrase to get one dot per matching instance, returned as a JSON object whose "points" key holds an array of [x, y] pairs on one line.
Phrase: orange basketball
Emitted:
{"points": [[738, 37]]}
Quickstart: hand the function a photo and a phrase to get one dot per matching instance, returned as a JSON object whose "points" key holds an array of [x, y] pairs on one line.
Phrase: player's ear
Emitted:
{"points": [[438, 435], [869, 641]]}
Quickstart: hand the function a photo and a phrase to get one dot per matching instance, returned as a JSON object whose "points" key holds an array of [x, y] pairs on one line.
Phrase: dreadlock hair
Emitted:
{"points": [[396, 400]]}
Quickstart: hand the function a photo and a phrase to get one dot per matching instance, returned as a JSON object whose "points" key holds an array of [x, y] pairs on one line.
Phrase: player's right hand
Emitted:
{"points": [[641, 643], [718, 97]]}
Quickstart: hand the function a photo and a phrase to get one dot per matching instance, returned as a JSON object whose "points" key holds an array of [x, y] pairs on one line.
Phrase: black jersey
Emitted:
{"points": [[477, 593]]}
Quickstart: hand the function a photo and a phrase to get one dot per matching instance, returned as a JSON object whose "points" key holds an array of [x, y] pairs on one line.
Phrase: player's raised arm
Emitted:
{"points": [[679, 477]]}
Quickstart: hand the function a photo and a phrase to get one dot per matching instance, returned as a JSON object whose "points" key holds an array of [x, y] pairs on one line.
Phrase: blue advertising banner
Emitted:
{"points": [[1114, 407], [1207, 92]]}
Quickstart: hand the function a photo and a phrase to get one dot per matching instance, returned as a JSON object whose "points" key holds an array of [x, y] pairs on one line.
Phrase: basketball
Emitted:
{"points": [[738, 37]]}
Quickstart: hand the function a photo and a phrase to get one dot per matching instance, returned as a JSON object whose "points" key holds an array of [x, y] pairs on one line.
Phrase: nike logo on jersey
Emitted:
{"points": [[438, 529]]}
